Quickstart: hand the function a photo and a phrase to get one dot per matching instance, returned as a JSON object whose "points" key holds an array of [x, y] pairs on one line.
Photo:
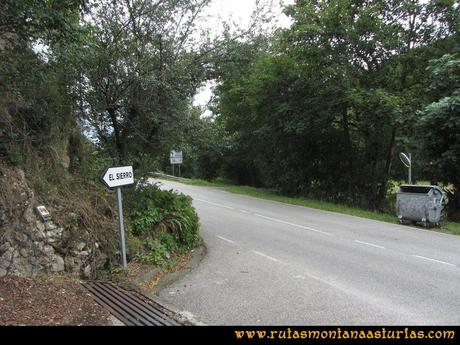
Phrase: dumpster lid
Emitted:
{"points": [[422, 189]]}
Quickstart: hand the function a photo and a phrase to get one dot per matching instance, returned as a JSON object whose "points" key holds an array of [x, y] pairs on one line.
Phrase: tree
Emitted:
{"points": [[367, 49], [138, 70], [35, 87], [324, 109], [440, 127], [234, 68], [44, 20]]}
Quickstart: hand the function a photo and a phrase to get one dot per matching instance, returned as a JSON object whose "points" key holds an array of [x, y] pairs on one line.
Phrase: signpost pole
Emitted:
{"points": [[175, 157], [410, 169], [121, 226], [407, 161]]}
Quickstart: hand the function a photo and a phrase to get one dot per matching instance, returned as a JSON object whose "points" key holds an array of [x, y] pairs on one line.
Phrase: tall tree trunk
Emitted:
{"points": [[374, 181], [120, 145], [387, 171], [349, 150]]}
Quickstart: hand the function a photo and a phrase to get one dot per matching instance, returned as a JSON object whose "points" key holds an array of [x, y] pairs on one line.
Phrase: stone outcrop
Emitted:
{"points": [[30, 246]]}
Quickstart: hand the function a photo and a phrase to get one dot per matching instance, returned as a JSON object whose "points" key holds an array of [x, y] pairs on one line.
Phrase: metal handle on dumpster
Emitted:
{"points": [[441, 200]]}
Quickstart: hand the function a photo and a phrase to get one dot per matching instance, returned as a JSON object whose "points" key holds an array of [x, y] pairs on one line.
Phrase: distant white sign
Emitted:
{"points": [[117, 176], [175, 157]]}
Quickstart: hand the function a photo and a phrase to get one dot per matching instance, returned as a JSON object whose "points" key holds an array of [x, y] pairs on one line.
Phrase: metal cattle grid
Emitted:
{"points": [[131, 307]]}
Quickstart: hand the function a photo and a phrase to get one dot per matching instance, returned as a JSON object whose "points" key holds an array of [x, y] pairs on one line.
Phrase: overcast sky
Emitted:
{"points": [[239, 12]]}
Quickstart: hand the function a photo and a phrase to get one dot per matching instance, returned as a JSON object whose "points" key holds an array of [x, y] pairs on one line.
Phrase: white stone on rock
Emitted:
{"points": [[87, 271], [58, 264]]}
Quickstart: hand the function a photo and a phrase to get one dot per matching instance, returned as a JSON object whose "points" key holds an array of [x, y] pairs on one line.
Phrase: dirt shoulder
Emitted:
{"points": [[54, 300]]}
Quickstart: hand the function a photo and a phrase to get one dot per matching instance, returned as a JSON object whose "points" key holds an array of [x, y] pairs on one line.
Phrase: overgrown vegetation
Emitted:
{"points": [[163, 224]]}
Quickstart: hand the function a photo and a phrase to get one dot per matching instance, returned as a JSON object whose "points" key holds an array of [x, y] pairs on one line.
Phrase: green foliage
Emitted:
{"points": [[134, 245], [46, 20], [36, 115], [323, 110], [164, 221], [95, 160], [156, 253], [440, 125], [205, 145], [144, 221], [32, 106], [137, 71]]}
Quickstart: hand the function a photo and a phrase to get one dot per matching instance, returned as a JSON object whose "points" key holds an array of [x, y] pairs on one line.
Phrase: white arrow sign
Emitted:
{"points": [[117, 176]]}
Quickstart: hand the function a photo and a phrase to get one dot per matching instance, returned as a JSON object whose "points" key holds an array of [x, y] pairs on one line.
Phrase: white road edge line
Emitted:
{"points": [[370, 244], [430, 259], [266, 256], [269, 218], [319, 279], [215, 204], [244, 211], [292, 224], [226, 239]]}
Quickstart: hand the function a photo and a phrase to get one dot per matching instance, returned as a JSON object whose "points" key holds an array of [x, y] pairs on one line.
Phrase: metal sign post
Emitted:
{"points": [[121, 227], [175, 157], [116, 177]]}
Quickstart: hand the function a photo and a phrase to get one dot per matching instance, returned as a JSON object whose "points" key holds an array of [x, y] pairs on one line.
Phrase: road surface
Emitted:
{"points": [[270, 263]]}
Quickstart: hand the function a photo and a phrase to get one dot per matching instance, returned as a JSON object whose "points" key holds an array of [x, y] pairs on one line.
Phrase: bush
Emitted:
{"points": [[164, 221]]}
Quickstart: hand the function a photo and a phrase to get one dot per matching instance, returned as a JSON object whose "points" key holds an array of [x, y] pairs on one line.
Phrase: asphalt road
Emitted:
{"points": [[270, 263]]}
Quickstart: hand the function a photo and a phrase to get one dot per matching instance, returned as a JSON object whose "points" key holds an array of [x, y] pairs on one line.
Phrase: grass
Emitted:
{"points": [[267, 194]]}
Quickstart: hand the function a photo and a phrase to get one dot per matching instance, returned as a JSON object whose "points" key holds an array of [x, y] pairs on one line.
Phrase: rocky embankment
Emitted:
{"points": [[31, 246]]}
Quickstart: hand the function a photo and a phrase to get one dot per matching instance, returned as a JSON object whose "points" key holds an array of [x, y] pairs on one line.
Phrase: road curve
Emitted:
{"points": [[270, 263]]}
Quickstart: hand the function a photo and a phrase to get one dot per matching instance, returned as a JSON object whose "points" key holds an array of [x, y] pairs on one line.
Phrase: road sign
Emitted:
{"points": [[407, 161], [117, 176], [175, 157]]}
